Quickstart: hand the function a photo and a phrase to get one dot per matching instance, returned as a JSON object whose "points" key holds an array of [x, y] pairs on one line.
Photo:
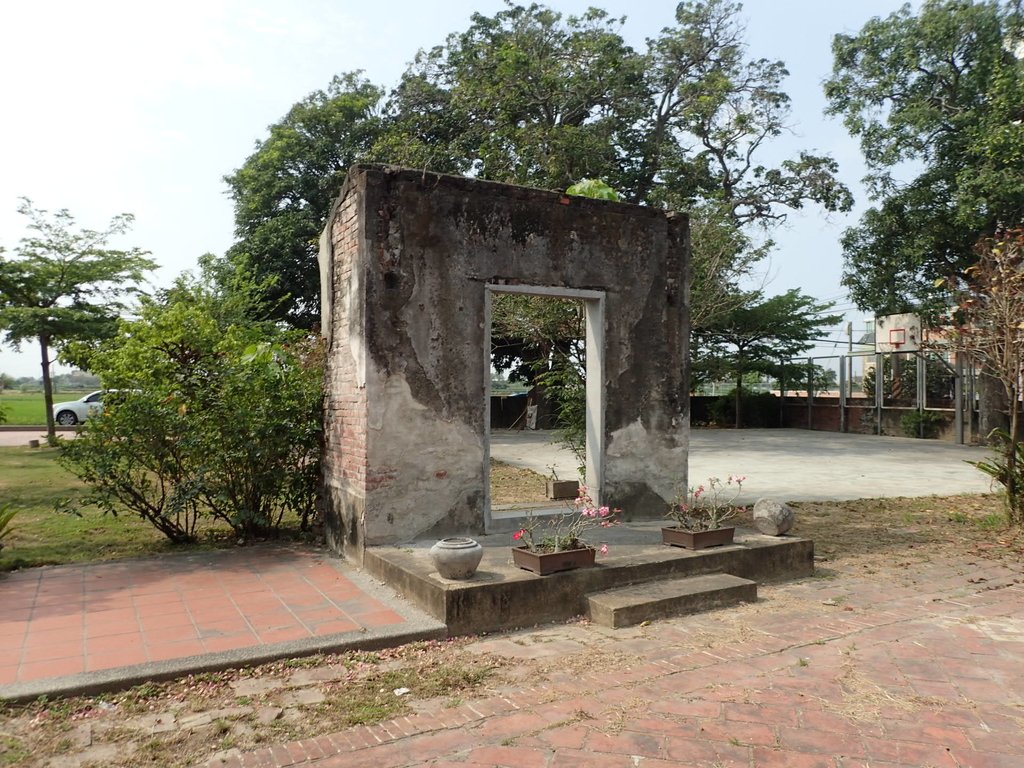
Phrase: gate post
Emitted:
{"points": [[922, 392], [879, 397], [958, 397], [782, 393], [842, 394], [810, 392]]}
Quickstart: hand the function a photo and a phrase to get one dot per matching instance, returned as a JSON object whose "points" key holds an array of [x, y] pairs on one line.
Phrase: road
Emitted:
{"points": [[20, 436]]}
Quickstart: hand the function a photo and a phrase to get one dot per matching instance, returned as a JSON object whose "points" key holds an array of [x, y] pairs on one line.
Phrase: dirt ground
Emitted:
{"points": [[192, 720]]}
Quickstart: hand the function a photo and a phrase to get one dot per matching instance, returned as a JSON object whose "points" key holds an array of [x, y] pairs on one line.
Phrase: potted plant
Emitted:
{"points": [[700, 514], [557, 543], [561, 489]]}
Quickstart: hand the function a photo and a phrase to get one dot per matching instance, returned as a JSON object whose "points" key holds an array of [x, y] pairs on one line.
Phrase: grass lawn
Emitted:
{"points": [[33, 482], [28, 408]]}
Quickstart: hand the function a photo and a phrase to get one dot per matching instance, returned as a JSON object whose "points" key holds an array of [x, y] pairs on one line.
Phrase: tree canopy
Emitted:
{"points": [[760, 336], [65, 285], [530, 96], [283, 193], [936, 98]]}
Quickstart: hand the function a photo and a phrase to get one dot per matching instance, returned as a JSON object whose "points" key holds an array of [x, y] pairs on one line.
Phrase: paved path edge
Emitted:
{"points": [[416, 626], [123, 678]]}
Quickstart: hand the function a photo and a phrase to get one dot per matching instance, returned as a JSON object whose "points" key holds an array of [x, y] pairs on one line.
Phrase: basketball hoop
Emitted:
{"points": [[897, 333]]}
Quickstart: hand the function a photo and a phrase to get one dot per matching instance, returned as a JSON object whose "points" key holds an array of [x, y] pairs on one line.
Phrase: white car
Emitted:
{"points": [[76, 411]]}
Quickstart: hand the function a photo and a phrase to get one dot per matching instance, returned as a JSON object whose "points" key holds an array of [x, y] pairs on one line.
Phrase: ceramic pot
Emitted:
{"points": [[457, 557]]}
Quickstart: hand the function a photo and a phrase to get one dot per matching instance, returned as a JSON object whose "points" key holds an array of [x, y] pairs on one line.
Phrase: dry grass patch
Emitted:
{"points": [[512, 485], [185, 722], [866, 701], [882, 532]]}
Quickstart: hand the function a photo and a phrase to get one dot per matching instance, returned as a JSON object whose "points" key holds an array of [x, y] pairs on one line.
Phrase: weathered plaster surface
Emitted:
{"points": [[642, 465], [409, 257], [423, 472]]}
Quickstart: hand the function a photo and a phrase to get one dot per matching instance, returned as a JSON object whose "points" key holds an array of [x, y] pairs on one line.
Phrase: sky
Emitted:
{"points": [[115, 106]]}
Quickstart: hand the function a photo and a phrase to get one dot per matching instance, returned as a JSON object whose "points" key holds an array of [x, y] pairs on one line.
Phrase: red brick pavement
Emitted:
{"points": [[849, 672], [72, 619]]}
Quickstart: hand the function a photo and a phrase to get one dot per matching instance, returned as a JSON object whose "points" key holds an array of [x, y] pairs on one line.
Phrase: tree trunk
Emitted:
{"points": [[993, 408], [739, 401], [44, 350], [1013, 491]]}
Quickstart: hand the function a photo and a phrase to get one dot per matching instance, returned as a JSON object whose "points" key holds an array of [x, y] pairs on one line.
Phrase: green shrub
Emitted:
{"points": [[208, 419], [566, 386], [922, 423], [760, 410], [1006, 467]]}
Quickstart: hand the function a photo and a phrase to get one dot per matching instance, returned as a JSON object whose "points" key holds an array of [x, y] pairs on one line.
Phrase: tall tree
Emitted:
{"points": [[988, 325], [937, 93], [530, 96], [284, 190], [64, 285], [757, 337]]}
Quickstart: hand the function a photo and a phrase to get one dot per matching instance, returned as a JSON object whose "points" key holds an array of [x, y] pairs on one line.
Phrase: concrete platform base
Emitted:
{"points": [[628, 606], [502, 596]]}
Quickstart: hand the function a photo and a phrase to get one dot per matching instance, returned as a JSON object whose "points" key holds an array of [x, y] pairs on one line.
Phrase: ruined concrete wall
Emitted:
{"points": [[345, 407], [408, 261]]}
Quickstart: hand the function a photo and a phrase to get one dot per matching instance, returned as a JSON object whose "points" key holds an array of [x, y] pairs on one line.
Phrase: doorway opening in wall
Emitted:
{"points": [[544, 400]]}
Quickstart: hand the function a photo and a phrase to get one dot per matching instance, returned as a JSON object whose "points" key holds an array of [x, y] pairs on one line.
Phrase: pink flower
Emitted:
{"points": [[604, 511], [519, 534], [604, 549]]}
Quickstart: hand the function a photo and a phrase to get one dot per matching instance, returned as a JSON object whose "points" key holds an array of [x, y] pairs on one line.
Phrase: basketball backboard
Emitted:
{"points": [[898, 333]]}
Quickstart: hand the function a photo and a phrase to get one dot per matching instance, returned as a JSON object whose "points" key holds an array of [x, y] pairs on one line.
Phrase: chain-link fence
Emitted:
{"points": [[912, 394]]}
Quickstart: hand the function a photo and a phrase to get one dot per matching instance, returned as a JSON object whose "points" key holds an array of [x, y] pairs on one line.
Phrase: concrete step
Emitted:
{"points": [[626, 606]]}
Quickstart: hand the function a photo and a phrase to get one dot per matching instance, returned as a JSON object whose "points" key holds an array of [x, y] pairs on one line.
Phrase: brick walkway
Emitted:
{"points": [[69, 620], [848, 669]]}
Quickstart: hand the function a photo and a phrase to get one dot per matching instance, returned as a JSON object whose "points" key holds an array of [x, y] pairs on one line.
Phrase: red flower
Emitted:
{"points": [[519, 534]]}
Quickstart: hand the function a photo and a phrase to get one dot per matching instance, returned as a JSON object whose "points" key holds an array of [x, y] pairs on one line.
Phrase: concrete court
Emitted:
{"points": [[792, 464], [788, 464]]}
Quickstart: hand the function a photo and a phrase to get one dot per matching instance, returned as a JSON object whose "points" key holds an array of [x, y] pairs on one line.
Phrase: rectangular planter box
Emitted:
{"points": [[716, 537], [543, 563], [563, 489]]}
